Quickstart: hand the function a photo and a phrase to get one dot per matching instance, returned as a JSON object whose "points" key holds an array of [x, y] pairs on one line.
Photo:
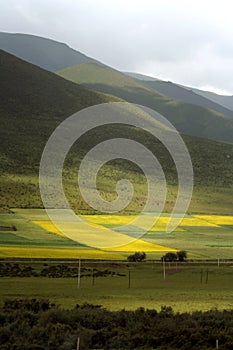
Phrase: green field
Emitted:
{"points": [[182, 288], [203, 237]]}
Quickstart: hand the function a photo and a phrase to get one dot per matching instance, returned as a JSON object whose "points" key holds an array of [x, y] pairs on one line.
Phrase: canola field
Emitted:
{"points": [[204, 237]]}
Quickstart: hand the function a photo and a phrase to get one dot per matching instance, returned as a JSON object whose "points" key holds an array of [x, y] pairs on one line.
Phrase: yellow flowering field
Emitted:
{"points": [[162, 221], [32, 238], [90, 232], [140, 245], [109, 219], [216, 219], [49, 226], [159, 226], [197, 221], [55, 253]]}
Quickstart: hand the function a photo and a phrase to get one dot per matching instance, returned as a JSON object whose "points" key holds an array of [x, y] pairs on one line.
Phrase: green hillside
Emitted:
{"points": [[226, 101], [34, 102], [187, 118], [219, 103], [179, 93]]}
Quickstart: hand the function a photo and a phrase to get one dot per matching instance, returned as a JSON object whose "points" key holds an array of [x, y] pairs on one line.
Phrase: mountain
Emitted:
{"points": [[139, 76], [45, 53], [35, 101], [179, 93], [226, 101], [182, 93], [187, 118], [190, 118]]}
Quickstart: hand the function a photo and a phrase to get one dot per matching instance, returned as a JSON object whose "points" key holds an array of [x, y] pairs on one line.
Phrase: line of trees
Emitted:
{"points": [[170, 256], [53, 271]]}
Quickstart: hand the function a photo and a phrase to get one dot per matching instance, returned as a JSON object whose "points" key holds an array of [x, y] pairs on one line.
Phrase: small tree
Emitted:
{"points": [[181, 255], [137, 257], [169, 257]]}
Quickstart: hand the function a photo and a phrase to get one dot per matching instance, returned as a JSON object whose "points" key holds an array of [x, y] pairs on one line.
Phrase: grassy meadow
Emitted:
{"points": [[186, 287]]}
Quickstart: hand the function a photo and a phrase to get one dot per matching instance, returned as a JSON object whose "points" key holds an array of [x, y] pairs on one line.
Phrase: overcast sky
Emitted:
{"points": [[184, 41]]}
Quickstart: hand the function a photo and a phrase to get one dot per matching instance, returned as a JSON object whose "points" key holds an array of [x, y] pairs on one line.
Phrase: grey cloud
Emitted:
{"points": [[188, 41]]}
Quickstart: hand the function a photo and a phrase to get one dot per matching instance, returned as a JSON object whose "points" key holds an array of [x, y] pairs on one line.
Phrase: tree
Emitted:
{"points": [[137, 257], [169, 257], [181, 255]]}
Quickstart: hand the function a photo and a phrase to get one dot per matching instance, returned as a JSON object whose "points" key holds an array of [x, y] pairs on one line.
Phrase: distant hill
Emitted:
{"points": [[183, 108], [45, 53], [184, 94], [139, 76], [179, 93], [187, 118], [226, 101]]}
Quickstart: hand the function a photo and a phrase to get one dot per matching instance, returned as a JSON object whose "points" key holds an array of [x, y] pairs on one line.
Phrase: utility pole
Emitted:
{"points": [[79, 273], [129, 283], [164, 270], [78, 343], [218, 251]]}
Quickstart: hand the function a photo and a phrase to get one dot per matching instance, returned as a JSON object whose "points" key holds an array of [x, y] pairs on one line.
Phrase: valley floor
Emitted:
{"points": [[186, 287]]}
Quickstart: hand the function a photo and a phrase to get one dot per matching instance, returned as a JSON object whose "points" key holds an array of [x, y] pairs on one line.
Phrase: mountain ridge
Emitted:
{"points": [[183, 93], [46, 53], [187, 118]]}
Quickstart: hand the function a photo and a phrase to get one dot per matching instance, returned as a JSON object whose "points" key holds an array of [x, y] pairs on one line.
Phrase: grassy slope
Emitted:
{"points": [[220, 103], [226, 101], [187, 118], [35, 101], [212, 163], [179, 93]]}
